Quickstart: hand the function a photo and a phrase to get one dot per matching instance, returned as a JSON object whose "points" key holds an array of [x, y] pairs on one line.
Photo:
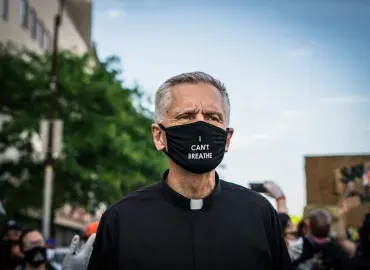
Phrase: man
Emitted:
{"points": [[191, 219], [319, 251], [10, 255], [290, 230], [361, 259], [50, 248], [50, 253], [12, 231], [293, 240], [33, 247], [359, 253]]}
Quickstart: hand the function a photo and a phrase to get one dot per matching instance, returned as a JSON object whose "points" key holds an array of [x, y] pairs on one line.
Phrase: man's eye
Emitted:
{"points": [[185, 116], [213, 118]]}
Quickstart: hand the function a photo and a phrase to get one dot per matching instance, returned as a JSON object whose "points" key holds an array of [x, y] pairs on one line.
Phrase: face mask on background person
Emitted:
{"points": [[295, 242], [50, 254], [295, 248], [196, 147], [36, 256]]}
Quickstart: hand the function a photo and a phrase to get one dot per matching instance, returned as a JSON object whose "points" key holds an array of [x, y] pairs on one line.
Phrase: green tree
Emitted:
{"points": [[108, 149]]}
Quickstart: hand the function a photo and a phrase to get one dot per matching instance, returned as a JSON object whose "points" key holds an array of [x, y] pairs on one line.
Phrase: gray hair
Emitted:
{"points": [[163, 94]]}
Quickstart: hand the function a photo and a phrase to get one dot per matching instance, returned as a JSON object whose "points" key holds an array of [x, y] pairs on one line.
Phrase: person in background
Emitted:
{"points": [[10, 255], [361, 260], [12, 231], [33, 246], [290, 229], [360, 253], [349, 246], [319, 251], [50, 253], [50, 248], [292, 239], [302, 228]]}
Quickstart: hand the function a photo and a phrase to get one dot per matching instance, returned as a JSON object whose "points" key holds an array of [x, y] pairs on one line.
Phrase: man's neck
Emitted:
{"points": [[189, 185], [30, 267]]}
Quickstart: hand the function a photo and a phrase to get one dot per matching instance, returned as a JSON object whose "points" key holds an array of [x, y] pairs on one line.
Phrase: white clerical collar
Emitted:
{"points": [[177, 199], [196, 204]]}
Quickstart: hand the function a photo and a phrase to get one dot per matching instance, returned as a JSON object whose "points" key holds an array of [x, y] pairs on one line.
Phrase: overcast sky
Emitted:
{"points": [[297, 73]]}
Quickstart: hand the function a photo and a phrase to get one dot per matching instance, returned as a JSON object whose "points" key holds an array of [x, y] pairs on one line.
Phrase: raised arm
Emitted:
{"points": [[347, 245], [275, 192]]}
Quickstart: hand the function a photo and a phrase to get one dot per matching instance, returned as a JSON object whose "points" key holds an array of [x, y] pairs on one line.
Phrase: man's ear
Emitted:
{"points": [[158, 137], [228, 139]]}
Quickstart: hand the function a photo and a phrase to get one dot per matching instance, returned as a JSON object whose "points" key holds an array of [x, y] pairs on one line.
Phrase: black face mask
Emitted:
{"points": [[35, 256], [197, 147]]}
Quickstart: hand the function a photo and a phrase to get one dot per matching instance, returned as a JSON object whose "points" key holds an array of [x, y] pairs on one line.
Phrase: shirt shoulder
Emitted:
{"points": [[336, 250], [243, 192], [145, 194]]}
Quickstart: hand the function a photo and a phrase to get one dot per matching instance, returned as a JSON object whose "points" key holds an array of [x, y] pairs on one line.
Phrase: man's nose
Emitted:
{"points": [[199, 117]]}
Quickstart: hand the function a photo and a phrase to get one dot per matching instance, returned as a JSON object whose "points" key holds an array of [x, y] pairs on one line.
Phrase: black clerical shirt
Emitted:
{"points": [[155, 228]]}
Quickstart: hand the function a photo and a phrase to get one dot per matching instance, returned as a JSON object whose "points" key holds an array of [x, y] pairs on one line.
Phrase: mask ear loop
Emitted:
{"points": [[227, 133], [163, 129]]}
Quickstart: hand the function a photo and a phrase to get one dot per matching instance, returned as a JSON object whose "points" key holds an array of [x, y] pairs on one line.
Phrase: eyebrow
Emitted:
{"points": [[186, 110], [34, 242], [195, 110], [210, 112]]}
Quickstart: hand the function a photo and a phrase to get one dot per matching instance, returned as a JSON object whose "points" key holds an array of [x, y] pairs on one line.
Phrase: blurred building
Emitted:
{"points": [[30, 24]]}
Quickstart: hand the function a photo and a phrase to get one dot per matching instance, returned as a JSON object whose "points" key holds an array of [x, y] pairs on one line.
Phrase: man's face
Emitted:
{"points": [[33, 239], [291, 232], [196, 102], [13, 235], [191, 103]]}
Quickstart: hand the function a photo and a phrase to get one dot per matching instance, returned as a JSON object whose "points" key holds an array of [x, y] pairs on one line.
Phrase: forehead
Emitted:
{"points": [[291, 226], [13, 231], [198, 95], [33, 236]]}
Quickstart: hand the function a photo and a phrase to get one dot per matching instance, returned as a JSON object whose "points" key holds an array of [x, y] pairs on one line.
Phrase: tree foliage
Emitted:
{"points": [[108, 149]]}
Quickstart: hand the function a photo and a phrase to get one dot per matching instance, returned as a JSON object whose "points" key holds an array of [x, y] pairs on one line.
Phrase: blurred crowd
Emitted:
{"points": [[26, 248], [314, 245]]}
